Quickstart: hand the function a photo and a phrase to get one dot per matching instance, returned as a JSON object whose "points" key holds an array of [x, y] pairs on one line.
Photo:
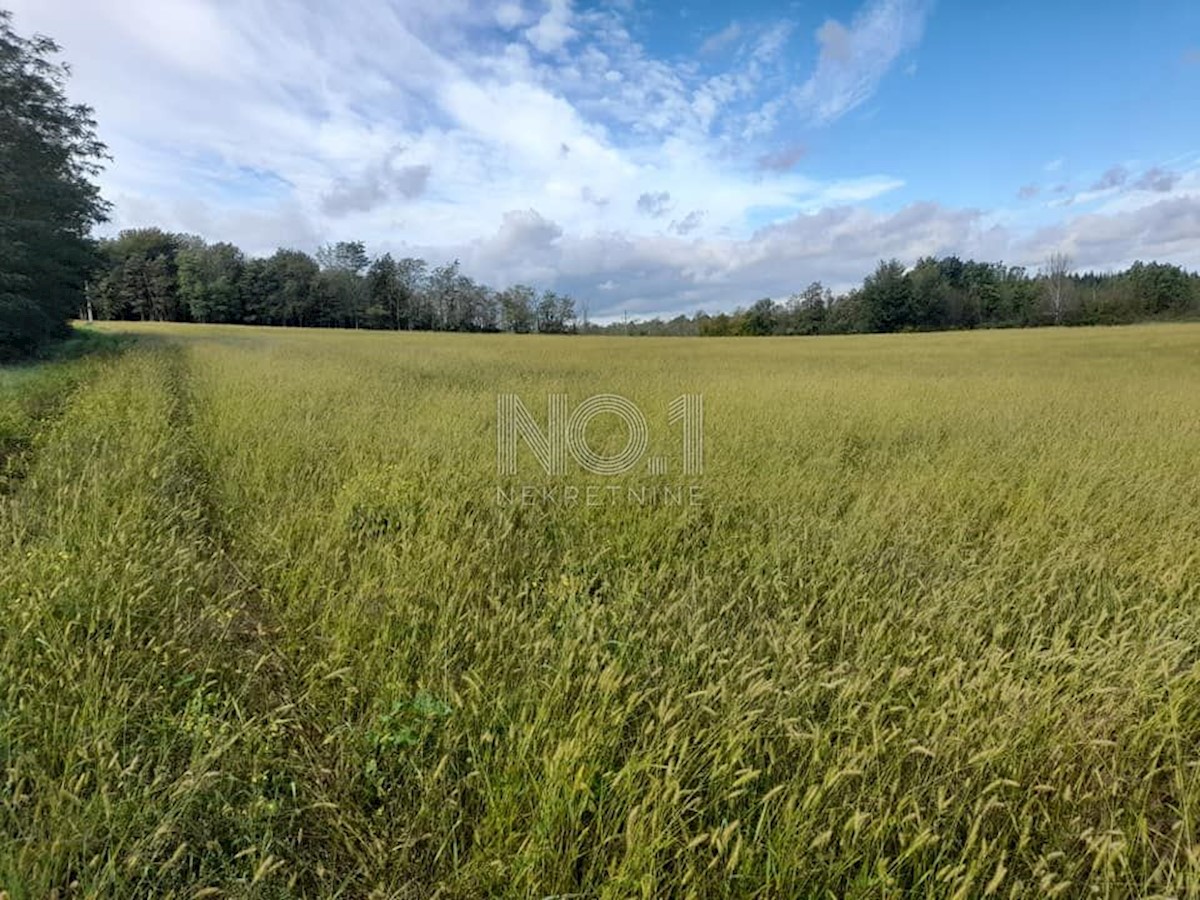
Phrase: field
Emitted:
{"points": [[928, 627]]}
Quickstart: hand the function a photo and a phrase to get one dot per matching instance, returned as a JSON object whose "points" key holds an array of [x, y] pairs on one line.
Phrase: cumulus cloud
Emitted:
{"points": [[523, 248], [510, 15], [379, 183], [1028, 191], [553, 30], [1165, 229], [315, 99], [854, 59]]}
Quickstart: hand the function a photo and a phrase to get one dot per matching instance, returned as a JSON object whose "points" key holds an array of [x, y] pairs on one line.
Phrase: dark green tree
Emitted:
{"points": [[49, 155], [387, 302], [761, 319], [806, 311], [292, 275], [210, 281], [931, 294], [887, 298], [140, 279], [1161, 288]]}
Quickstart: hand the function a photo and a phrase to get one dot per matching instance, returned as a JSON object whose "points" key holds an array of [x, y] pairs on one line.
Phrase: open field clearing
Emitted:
{"points": [[932, 629]]}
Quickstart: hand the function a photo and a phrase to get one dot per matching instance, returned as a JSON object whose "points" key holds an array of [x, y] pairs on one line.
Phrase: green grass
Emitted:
{"points": [[933, 631]]}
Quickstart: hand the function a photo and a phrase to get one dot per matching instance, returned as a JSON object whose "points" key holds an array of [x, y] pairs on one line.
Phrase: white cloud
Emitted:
{"points": [[721, 40], [511, 15], [1163, 229], [771, 42], [553, 30], [853, 60]]}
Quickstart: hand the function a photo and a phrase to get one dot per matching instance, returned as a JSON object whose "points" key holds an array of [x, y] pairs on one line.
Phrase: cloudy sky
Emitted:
{"points": [[651, 157]]}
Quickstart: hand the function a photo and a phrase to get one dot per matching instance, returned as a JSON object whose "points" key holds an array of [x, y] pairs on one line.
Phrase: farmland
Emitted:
{"points": [[272, 624]]}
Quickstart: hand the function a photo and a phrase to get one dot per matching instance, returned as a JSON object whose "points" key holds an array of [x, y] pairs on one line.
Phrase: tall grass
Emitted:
{"points": [[33, 393], [266, 631]]}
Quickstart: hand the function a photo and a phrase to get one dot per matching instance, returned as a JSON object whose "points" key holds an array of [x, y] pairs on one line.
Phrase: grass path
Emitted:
{"points": [[133, 658]]}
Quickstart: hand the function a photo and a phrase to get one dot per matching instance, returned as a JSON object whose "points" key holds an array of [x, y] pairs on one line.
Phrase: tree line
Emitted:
{"points": [[52, 269], [950, 293], [153, 275]]}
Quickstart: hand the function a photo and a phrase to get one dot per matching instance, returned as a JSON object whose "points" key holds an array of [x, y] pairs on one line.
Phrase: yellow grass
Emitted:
{"points": [[932, 630]]}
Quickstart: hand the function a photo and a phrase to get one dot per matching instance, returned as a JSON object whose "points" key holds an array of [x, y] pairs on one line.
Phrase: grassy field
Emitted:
{"points": [[932, 630]]}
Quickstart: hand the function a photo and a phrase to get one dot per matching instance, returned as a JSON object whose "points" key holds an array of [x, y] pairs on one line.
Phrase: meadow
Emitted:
{"points": [[930, 629]]}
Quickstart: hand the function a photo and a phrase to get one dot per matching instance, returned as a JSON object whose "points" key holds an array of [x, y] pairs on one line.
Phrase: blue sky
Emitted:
{"points": [[651, 158]]}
